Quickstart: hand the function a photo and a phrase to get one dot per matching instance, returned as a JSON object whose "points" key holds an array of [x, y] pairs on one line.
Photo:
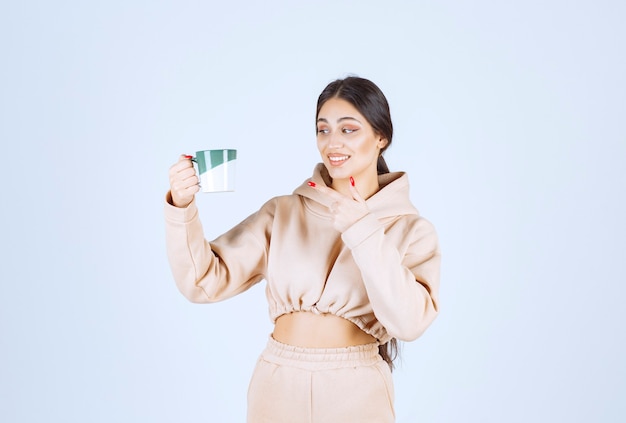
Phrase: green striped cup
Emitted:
{"points": [[216, 169]]}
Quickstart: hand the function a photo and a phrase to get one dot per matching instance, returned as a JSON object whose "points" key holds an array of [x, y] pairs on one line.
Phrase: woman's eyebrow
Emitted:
{"points": [[340, 119]]}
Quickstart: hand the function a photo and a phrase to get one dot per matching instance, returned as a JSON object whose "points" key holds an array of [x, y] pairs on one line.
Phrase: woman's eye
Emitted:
{"points": [[322, 131], [348, 130]]}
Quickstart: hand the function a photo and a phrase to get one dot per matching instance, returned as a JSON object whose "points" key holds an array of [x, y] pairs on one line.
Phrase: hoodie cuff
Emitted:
{"points": [[361, 230], [179, 214]]}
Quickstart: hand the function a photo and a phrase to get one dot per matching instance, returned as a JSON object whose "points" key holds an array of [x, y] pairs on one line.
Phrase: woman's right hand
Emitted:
{"points": [[183, 182]]}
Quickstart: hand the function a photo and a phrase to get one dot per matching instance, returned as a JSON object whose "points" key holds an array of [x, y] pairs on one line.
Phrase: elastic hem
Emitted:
{"points": [[320, 358]]}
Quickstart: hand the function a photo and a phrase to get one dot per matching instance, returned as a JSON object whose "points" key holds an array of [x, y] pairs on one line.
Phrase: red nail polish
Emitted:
{"points": [[351, 181], [311, 184], [188, 157]]}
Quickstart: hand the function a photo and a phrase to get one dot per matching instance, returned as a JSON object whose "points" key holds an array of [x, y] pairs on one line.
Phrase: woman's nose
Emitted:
{"points": [[335, 141]]}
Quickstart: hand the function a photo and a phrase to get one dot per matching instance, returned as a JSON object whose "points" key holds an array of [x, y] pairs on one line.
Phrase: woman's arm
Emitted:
{"points": [[213, 271], [402, 285]]}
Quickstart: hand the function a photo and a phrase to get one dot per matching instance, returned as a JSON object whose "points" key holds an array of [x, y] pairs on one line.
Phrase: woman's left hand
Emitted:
{"points": [[345, 210]]}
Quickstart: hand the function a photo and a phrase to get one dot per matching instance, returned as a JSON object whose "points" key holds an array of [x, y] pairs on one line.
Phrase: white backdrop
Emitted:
{"points": [[510, 119]]}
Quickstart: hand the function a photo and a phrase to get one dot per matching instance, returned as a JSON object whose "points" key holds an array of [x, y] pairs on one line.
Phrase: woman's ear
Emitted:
{"points": [[382, 143]]}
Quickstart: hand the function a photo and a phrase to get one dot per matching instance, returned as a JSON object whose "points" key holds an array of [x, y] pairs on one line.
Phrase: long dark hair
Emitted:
{"points": [[370, 101]]}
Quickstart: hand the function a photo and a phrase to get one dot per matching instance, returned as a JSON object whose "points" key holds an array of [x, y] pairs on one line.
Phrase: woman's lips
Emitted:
{"points": [[338, 160]]}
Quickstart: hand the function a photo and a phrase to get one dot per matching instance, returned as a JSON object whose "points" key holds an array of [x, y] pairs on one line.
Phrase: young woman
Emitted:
{"points": [[349, 263]]}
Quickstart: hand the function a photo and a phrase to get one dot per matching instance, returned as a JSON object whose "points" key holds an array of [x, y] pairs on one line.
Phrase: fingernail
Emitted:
{"points": [[311, 184], [188, 157], [351, 181]]}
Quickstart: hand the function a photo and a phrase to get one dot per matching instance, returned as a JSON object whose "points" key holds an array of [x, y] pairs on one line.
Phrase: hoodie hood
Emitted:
{"points": [[390, 201]]}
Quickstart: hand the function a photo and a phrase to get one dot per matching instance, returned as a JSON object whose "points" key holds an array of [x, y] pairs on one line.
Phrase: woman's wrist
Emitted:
{"points": [[176, 203]]}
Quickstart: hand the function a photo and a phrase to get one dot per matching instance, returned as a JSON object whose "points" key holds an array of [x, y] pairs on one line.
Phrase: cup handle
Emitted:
{"points": [[193, 159]]}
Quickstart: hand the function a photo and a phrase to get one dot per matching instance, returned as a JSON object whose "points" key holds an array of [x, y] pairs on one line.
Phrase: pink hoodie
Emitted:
{"points": [[382, 273]]}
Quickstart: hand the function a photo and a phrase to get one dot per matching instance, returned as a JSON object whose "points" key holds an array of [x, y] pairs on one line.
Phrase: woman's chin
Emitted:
{"points": [[337, 173]]}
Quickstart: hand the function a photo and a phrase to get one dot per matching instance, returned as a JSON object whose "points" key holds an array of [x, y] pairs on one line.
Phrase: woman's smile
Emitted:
{"points": [[337, 159]]}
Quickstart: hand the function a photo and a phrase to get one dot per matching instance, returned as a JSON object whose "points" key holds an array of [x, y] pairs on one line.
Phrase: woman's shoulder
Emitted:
{"points": [[280, 202]]}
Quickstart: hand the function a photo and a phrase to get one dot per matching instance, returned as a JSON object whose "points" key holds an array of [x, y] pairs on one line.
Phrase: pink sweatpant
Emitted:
{"points": [[320, 385]]}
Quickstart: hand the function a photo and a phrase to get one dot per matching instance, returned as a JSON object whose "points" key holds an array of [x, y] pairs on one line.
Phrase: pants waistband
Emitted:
{"points": [[320, 358]]}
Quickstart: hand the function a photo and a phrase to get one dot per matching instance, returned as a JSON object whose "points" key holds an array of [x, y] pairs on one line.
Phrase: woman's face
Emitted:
{"points": [[346, 141]]}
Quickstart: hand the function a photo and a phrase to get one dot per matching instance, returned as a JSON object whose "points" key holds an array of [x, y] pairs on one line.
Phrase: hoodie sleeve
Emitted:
{"points": [[213, 271], [402, 282]]}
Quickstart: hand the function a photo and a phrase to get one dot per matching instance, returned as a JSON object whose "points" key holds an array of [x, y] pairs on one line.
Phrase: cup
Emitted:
{"points": [[216, 169]]}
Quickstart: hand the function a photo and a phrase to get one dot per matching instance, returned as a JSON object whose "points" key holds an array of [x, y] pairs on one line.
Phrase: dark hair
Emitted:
{"points": [[370, 101]]}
